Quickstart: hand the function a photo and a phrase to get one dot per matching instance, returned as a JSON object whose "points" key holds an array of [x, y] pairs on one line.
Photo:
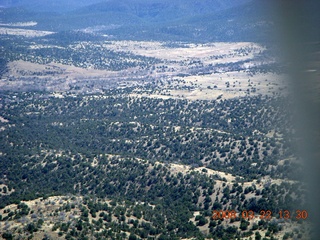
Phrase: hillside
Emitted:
{"points": [[169, 168], [203, 21], [186, 6], [158, 120]]}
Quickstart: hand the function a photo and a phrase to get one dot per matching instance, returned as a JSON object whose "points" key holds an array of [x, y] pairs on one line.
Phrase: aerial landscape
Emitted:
{"points": [[145, 120]]}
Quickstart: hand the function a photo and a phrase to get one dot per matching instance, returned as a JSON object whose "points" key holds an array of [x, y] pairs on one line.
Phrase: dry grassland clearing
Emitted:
{"points": [[19, 24], [209, 52], [68, 71], [186, 71], [184, 169], [23, 32], [52, 77]]}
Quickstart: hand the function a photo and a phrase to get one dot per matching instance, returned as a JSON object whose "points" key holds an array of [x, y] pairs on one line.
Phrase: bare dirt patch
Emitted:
{"points": [[3, 120], [20, 24], [23, 32], [184, 169]]}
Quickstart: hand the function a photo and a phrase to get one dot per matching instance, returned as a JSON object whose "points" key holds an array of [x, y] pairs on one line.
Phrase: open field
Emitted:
{"points": [[149, 120], [23, 32], [19, 24], [183, 71], [211, 53]]}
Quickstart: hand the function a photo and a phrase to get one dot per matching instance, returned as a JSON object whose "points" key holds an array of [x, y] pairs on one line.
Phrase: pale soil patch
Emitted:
{"points": [[140, 95], [203, 94], [236, 84], [72, 72], [270, 134], [188, 52], [176, 168], [20, 24], [228, 84], [57, 95], [21, 70], [191, 95], [16, 66], [184, 169], [202, 78], [8, 192], [3, 120], [48, 210], [224, 85], [209, 172], [42, 209], [39, 46], [23, 32], [281, 162]]}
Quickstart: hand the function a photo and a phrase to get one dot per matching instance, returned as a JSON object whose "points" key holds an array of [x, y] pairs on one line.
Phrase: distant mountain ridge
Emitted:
{"points": [[47, 5], [186, 6], [163, 10], [164, 20]]}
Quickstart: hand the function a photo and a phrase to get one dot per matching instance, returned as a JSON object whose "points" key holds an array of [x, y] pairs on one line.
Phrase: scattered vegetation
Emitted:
{"points": [[111, 146]]}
